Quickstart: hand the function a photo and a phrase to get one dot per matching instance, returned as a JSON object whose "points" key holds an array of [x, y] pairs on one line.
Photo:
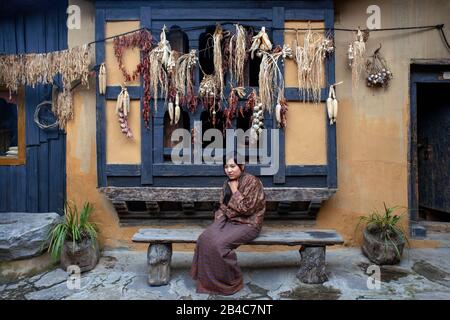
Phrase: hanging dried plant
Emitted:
{"points": [[122, 110], [260, 43], [238, 55], [184, 78], [159, 77], [218, 62], [356, 51], [233, 100], [271, 77], [281, 113], [209, 90], [62, 108], [377, 71], [142, 40], [102, 79], [42, 68], [310, 58], [252, 99]]}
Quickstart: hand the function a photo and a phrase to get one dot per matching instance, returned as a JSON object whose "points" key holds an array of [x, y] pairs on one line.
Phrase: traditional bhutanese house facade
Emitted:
{"points": [[329, 174]]}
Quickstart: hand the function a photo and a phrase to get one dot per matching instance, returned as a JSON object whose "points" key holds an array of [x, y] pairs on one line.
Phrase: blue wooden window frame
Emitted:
{"points": [[153, 14]]}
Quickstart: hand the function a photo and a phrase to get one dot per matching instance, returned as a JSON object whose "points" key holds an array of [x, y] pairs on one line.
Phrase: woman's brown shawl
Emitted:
{"points": [[247, 204]]}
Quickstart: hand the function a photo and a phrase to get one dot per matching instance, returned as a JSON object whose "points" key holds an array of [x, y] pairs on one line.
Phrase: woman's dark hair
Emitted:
{"points": [[226, 157], [232, 155]]}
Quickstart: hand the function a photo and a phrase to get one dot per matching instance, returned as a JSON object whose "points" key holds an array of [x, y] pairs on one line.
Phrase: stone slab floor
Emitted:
{"points": [[121, 274]]}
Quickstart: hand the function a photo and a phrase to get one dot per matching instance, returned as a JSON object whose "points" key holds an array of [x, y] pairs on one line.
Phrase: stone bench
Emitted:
{"points": [[312, 249]]}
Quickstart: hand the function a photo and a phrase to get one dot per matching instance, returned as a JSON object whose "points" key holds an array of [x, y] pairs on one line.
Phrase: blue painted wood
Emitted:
{"points": [[20, 34], [122, 14], [35, 42], [213, 14], [52, 39], [309, 170], [421, 76], [278, 37], [113, 91], [9, 38], [214, 181], [293, 94], [4, 172], [32, 182], [26, 186], [413, 195], [43, 176], [2, 44], [245, 4], [21, 196], [146, 133], [100, 102], [56, 182], [331, 129], [12, 186], [304, 14], [158, 137], [127, 170]]}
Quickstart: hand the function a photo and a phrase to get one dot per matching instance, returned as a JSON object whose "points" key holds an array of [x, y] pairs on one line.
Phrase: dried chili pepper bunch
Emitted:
{"points": [[142, 40], [233, 101], [378, 73]]}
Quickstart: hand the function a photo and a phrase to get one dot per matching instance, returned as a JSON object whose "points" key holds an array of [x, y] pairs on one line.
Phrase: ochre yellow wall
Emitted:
{"points": [[305, 135], [120, 149], [372, 126]]}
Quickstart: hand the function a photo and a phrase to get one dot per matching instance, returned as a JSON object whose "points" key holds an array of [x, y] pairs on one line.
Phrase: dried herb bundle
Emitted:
{"points": [[218, 61], [309, 58], [238, 55], [42, 68], [184, 78], [271, 77], [356, 51], [158, 75]]}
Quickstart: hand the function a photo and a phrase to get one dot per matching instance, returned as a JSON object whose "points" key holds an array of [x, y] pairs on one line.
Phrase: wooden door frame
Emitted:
{"points": [[421, 71]]}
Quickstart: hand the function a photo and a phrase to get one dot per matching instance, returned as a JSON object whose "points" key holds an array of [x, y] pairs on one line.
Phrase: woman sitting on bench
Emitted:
{"points": [[237, 221]]}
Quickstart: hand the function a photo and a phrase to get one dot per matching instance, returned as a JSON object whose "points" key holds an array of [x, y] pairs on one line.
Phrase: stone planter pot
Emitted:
{"points": [[85, 254], [380, 252]]}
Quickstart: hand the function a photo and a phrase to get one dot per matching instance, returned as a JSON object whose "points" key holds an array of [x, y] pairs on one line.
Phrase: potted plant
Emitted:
{"points": [[383, 238], [74, 239]]}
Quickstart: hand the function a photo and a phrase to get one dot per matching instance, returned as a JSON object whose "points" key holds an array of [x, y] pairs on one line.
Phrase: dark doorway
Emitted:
{"points": [[433, 149]]}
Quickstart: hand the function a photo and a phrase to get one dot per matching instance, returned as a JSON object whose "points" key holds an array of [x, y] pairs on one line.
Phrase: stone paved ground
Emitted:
{"points": [[121, 274]]}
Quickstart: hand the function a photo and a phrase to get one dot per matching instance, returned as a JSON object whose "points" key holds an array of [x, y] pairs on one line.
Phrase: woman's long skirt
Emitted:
{"points": [[215, 264]]}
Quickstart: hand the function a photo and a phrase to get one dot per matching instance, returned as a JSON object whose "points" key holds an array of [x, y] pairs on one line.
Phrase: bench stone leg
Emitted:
{"points": [[159, 256], [312, 265]]}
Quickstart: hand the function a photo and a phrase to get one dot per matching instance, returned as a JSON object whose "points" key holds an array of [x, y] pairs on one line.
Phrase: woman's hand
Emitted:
{"points": [[233, 185]]}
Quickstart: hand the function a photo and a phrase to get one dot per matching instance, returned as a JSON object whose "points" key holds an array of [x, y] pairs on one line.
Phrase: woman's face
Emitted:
{"points": [[232, 170]]}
